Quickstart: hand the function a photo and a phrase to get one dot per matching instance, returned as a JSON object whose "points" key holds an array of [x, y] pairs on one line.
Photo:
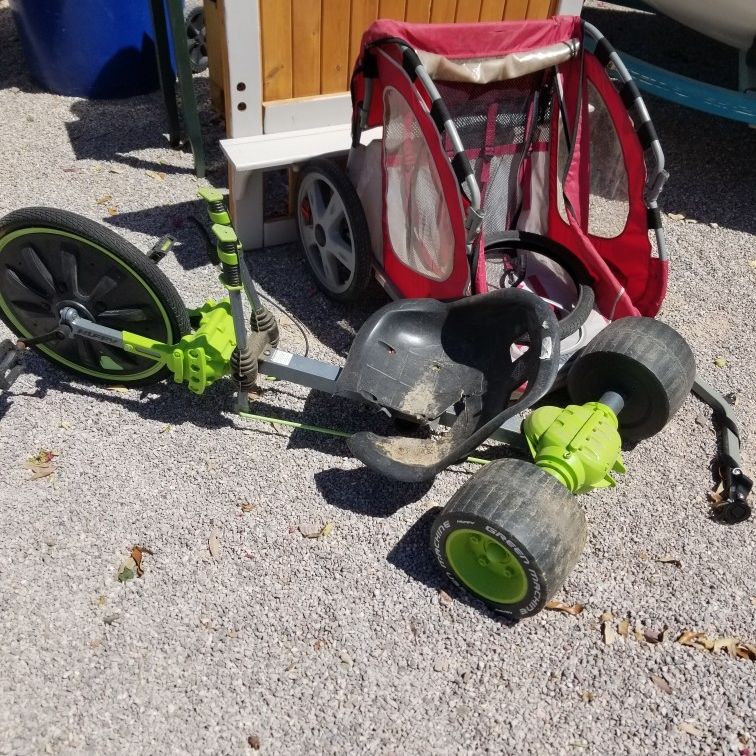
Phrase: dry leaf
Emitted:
{"points": [[136, 555], [104, 199], [166, 429], [650, 635], [254, 742], [157, 175], [319, 644], [608, 633], [676, 216], [661, 683], [310, 531], [213, 544], [623, 627], [720, 362], [101, 600], [42, 471], [112, 211], [247, 506], [560, 606], [638, 632], [127, 570], [119, 389], [445, 599], [670, 560], [690, 728], [115, 169], [587, 696], [736, 648]]}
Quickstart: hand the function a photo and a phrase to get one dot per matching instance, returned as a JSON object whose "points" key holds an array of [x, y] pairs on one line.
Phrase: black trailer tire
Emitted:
{"points": [[51, 258], [647, 362], [336, 243], [510, 536]]}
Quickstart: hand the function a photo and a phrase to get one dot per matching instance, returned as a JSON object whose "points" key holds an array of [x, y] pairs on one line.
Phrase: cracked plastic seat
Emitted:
{"points": [[420, 357]]}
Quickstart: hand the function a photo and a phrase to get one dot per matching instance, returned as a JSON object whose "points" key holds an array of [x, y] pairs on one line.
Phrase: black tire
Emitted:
{"points": [[52, 258], [647, 362], [527, 512], [196, 39], [542, 245], [350, 231]]}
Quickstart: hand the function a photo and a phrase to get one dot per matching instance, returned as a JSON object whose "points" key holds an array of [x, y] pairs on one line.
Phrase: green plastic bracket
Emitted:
{"points": [[200, 358], [226, 236], [579, 445]]}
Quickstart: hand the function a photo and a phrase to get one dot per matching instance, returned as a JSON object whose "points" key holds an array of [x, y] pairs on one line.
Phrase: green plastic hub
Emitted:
{"points": [[486, 567], [579, 444], [200, 358]]}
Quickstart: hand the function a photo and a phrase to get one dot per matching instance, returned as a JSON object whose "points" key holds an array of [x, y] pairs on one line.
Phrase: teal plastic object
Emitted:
{"points": [[727, 103], [89, 48]]}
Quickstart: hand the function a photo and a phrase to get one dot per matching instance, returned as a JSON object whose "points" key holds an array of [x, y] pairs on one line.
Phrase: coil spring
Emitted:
{"points": [[217, 206], [231, 273]]}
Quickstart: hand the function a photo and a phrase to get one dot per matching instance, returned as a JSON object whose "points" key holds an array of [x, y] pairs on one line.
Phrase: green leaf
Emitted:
{"points": [[125, 574]]}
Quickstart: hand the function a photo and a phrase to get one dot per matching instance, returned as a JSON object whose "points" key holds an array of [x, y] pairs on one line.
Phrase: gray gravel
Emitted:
{"points": [[341, 644]]}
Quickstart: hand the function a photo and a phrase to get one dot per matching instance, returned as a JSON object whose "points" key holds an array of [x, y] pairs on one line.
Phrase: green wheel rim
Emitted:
{"points": [[486, 567], [117, 376]]}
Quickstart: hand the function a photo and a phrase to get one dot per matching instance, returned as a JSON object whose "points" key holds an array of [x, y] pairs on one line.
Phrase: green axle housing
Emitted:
{"points": [[579, 445]]}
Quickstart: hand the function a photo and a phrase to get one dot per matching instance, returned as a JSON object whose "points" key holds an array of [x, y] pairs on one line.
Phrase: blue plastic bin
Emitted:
{"points": [[89, 48]]}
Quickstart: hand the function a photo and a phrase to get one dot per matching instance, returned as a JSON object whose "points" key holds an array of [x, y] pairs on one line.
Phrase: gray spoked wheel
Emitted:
{"points": [[333, 231], [196, 39]]}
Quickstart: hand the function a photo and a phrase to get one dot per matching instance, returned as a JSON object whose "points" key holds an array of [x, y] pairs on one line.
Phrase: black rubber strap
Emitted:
{"points": [[629, 93], [369, 66], [603, 51], [653, 217], [646, 134], [461, 166], [410, 62], [440, 114]]}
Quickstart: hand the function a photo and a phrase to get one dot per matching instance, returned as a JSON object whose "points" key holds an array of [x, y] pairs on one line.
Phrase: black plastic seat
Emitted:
{"points": [[420, 357]]}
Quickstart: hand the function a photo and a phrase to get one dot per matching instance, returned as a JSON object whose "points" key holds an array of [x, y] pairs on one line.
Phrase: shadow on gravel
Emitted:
{"points": [[366, 492], [711, 161], [180, 220], [413, 556]]}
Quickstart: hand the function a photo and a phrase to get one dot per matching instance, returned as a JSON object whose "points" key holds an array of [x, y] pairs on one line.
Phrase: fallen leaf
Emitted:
{"points": [[213, 544], [254, 742], [623, 627], [157, 175], [42, 457], [445, 599], [661, 683], [560, 606], [720, 362], [314, 531], [136, 555], [587, 696], [638, 633], [714, 225], [119, 389], [115, 169], [676, 216], [651, 635], [112, 211], [319, 644], [733, 646], [101, 600], [690, 729], [166, 429], [670, 560], [72, 170], [125, 574], [104, 199], [247, 506], [608, 633], [42, 471]]}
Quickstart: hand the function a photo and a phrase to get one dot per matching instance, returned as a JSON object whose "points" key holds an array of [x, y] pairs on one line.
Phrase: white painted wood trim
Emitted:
{"points": [[569, 7], [306, 112], [243, 46]]}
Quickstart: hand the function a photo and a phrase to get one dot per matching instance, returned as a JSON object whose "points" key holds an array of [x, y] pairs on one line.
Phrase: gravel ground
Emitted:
{"points": [[345, 643]]}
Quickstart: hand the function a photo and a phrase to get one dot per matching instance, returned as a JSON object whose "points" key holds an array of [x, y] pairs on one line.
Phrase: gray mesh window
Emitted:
{"points": [[608, 206], [417, 216]]}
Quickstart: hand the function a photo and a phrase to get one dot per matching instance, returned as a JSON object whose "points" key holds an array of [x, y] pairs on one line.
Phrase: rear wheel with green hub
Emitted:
{"points": [[510, 536], [51, 259]]}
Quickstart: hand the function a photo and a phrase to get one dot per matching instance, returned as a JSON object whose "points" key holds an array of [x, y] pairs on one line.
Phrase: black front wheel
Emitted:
{"points": [[510, 536], [51, 259]]}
